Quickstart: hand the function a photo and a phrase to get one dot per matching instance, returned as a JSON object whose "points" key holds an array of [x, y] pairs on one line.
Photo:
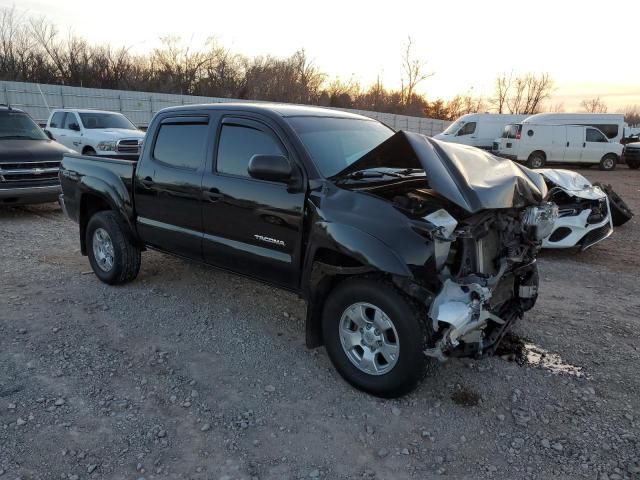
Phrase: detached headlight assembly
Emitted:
{"points": [[540, 219], [107, 146]]}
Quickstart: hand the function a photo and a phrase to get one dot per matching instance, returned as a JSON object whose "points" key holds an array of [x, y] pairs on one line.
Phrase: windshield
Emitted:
{"points": [[454, 127], [19, 126], [106, 120], [335, 143]]}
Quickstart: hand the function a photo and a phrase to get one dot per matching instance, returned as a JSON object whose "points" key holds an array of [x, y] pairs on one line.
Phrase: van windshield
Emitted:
{"points": [[512, 131], [454, 127]]}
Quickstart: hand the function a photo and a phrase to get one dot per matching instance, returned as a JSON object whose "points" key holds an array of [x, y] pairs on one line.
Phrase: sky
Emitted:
{"points": [[587, 47]]}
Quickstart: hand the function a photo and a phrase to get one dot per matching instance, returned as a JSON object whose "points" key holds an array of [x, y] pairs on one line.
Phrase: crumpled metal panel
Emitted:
{"points": [[469, 177]]}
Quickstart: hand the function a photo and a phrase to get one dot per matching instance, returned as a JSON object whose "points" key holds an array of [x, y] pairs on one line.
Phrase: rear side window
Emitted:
{"points": [[181, 145], [57, 120], [238, 144]]}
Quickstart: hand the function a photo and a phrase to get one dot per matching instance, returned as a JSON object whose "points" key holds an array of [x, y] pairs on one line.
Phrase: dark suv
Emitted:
{"points": [[29, 160]]}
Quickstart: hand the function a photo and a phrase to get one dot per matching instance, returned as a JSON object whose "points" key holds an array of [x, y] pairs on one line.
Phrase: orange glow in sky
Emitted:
{"points": [[588, 48]]}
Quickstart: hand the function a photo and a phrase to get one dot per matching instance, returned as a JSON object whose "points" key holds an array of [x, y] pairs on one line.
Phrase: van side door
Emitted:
{"points": [[575, 143], [168, 181], [252, 226]]}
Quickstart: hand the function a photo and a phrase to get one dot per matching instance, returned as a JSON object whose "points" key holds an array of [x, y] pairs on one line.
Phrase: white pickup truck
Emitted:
{"points": [[95, 132]]}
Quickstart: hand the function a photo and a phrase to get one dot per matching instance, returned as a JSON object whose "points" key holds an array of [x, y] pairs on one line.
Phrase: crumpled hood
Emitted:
{"points": [[572, 183], [469, 177]]}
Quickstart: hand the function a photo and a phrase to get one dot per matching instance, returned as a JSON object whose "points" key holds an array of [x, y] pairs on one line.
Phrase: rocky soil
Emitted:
{"points": [[193, 373]]}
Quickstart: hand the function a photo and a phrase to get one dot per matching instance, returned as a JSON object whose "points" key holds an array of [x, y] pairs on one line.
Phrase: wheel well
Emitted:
{"points": [[86, 149], [611, 154], [89, 206], [544, 155]]}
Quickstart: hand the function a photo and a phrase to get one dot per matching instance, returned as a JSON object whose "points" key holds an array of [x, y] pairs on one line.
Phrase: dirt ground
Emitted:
{"points": [[193, 373]]}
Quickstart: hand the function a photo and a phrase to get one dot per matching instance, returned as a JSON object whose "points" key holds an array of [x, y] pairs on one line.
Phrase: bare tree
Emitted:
{"points": [[594, 105], [414, 72], [528, 93], [501, 92], [632, 115]]}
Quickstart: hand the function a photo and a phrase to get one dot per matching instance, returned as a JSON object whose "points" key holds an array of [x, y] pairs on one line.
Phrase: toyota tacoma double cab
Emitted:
{"points": [[404, 248]]}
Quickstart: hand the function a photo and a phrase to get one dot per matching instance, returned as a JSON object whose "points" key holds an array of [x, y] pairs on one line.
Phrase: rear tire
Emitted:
{"points": [[113, 257], [608, 162], [536, 160], [389, 332]]}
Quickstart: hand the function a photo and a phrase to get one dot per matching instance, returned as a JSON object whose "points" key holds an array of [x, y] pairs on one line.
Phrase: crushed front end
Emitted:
{"points": [[488, 275]]}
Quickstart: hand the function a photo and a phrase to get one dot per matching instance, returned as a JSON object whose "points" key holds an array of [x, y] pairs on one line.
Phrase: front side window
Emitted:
{"points": [[57, 120], [511, 131], [238, 144], [19, 126], [106, 120], [454, 127], [181, 145], [335, 143], [70, 122], [468, 129], [594, 135]]}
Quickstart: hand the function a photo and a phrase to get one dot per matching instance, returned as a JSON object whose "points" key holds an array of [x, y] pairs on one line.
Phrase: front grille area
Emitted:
{"points": [[29, 172], [129, 146], [632, 154], [594, 236]]}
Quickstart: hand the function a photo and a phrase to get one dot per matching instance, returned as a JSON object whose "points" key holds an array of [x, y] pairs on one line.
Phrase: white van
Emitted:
{"points": [[478, 129], [611, 124], [538, 145]]}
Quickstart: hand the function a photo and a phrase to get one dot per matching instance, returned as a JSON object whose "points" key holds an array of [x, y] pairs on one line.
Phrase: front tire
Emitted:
{"points": [[536, 160], [375, 336], [608, 162], [113, 257]]}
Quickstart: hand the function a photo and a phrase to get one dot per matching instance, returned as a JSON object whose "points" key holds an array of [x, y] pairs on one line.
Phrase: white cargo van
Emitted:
{"points": [[611, 124], [478, 129], [538, 145]]}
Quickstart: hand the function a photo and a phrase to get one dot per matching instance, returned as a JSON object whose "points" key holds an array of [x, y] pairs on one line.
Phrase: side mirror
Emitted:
{"points": [[75, 127], [49, 134], [273, 168]]}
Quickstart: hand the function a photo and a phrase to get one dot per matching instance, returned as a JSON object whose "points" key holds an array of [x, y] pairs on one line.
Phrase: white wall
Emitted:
{"points": [[139, 107]]}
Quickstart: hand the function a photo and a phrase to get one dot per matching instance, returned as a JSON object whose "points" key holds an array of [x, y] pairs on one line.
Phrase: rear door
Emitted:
{"points": [[575, 143], [595, 146], [168, 185], [251, 226]]}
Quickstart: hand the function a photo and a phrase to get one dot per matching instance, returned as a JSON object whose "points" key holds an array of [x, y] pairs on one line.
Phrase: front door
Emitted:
{"points": [[69, 134], [594, 146], [251, 226], [168, 186], [575, 144]]}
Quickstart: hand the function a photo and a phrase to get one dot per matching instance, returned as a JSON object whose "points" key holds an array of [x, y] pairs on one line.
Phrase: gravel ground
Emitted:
{"points": [[189, 372]]}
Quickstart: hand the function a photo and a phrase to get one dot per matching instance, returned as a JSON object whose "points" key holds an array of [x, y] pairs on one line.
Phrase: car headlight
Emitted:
{"points": [[540, 219], [107, 146]]}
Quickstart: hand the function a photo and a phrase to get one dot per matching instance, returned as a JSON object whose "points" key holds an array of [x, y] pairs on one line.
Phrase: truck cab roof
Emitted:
{"points": [[279, 109]]}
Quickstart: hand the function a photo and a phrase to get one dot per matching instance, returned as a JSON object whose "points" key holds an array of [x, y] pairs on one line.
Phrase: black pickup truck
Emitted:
{"points": [[403, 247]]}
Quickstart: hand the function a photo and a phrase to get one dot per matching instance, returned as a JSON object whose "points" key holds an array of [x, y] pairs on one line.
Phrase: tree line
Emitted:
{"points": [[33, 50]]}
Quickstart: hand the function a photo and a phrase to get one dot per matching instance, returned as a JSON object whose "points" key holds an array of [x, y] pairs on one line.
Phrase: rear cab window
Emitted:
{"points": [[181, 142]]}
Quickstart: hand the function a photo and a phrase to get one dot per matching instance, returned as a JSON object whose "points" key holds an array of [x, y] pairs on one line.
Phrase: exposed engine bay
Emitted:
{"points": [[485, 267]]}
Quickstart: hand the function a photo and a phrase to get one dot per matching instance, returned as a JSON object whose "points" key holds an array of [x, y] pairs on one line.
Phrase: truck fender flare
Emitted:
{"points": [[116, 196], [366, 255]]}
